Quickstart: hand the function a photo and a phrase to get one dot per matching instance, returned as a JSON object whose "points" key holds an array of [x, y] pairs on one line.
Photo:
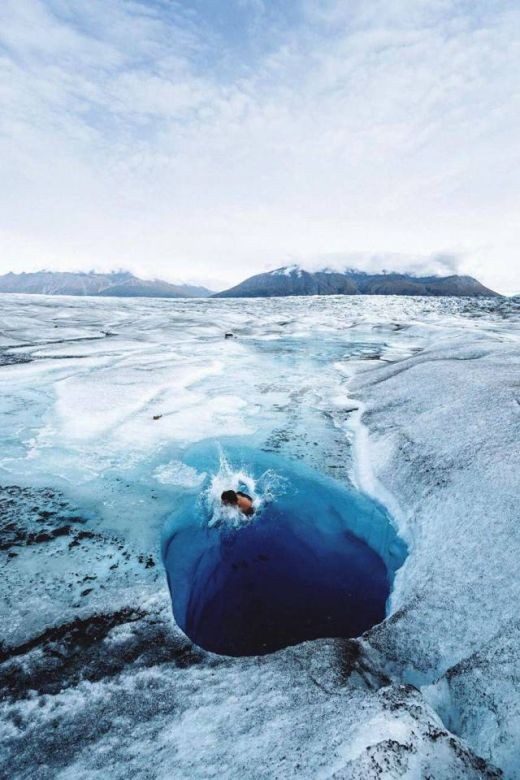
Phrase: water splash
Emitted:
{"points": [[263, 490]]}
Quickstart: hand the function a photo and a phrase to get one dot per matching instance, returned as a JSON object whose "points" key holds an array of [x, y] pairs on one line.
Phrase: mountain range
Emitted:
{"points": [[294, 280], [288, 280], [123, 284]]}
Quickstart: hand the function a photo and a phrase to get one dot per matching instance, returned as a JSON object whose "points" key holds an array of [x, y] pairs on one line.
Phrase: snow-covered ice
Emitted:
{"points": [[414, 401], [444, 440]]}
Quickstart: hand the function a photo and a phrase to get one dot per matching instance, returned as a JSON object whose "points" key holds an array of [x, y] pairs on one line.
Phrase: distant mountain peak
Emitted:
{"points": [[295, 280], [287, 270], [112, 284]]}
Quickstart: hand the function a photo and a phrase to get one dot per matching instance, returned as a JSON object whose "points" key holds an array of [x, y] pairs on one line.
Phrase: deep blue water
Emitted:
{"points": [[300, 569]]}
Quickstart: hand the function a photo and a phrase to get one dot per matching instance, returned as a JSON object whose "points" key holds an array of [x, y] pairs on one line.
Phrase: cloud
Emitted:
{"points": [[183, 141], [376, 262]]}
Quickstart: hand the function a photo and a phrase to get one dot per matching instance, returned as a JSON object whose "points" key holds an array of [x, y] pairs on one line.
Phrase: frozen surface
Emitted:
{"points": [[416, 401], [451, 460]]}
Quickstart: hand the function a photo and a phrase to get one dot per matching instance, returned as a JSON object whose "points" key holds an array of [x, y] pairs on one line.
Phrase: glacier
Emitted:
{"points": [[413, 402]]}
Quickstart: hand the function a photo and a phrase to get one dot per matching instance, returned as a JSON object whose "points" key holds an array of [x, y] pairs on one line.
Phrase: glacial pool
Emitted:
{"points": [[316, 560]]}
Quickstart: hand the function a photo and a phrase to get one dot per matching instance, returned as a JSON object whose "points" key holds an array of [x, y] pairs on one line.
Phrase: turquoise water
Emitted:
{"points": [[316, 560]]}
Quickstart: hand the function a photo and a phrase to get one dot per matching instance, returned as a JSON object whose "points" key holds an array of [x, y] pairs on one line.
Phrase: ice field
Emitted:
{"points": [[395, 420]]}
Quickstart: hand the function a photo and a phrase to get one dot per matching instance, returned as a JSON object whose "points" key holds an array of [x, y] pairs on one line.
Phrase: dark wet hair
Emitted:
{"points": [[229, 497]]}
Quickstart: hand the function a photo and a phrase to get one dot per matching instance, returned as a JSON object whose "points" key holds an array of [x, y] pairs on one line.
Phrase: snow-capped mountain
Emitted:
{"points": [[294, 280], [123, 284]]}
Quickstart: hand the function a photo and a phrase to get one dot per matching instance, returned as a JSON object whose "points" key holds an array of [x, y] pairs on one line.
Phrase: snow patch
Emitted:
{"points": [[179, 474]]}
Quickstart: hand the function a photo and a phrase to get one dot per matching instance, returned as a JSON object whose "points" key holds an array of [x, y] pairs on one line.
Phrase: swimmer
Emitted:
{"points": [[241, 500]]}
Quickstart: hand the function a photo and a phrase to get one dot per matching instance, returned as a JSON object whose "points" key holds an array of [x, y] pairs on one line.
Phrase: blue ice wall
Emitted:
{"points": [[316, 560]]}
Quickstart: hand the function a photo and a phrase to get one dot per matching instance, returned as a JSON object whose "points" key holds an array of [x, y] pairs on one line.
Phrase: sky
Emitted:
{"points": [[210, 140]]}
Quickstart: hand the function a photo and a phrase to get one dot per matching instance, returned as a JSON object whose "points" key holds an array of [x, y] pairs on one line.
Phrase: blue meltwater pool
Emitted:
{"points": [[315, 560]]}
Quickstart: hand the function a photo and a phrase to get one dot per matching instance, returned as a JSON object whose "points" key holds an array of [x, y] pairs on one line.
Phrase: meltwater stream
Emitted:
{"points": [[316, 559]]}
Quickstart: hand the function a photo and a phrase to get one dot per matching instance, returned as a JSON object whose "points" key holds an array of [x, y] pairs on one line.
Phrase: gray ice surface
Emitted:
{"points": [[415, 400]]}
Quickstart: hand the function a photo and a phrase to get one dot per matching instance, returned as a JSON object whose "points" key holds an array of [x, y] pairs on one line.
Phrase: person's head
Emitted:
{"points": [[229, 498]]}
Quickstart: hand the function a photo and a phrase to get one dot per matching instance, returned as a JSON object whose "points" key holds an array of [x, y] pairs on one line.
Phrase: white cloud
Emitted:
{"points": [[375, 262], [134, 134]]}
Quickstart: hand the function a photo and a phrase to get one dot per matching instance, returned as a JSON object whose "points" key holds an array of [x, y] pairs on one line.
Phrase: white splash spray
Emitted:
{"points": [[263, 490]]}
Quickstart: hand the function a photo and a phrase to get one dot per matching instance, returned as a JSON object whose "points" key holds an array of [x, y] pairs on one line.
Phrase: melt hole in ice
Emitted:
{"points": [[316, 559]]}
